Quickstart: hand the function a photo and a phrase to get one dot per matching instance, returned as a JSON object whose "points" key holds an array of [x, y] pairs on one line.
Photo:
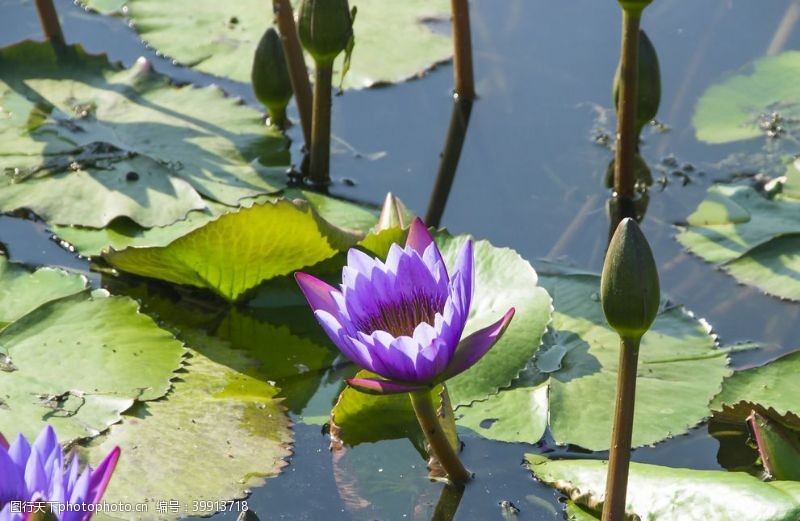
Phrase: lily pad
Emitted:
{"points": [[22, 291], [503, 280], [680, 371], [83, 141], [124, 233], [773, 386], [762, 100], [750, 235], [220, 38], [78, 362], [239, 250], [668, 494], [214, 410]]}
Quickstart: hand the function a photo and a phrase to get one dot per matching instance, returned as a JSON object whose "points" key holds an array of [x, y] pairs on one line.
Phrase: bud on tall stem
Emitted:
{"points": [[325, 28], [270, 77], [630, 296]]}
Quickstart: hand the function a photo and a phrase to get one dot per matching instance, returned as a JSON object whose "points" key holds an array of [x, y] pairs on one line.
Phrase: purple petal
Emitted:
{"points": [[418, 236], [372, 386], [20, 451], [393, 358], [49, 450], [3, 442], [433, 356], [317, 292], [35, 475], [463, 280], [357, 353], [101, 476], [472, 348], [11, 481]]}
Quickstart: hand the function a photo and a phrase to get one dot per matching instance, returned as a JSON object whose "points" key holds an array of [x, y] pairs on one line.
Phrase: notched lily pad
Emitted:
{"points": [[239, 250], [220, 38], [214, 410], [752, 235], [79, 362], [83, 142]]}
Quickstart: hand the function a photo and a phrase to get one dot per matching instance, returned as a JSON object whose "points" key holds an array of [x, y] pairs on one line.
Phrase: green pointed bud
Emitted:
{"points": [[634, 6], [648, 83], [778, 447], [325, 28], [270, 76], [394, 214], [629, 289]]}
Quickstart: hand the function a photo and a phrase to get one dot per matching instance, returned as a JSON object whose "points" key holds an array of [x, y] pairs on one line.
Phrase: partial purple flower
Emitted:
{"points": [[403, 319], [36, 474]]}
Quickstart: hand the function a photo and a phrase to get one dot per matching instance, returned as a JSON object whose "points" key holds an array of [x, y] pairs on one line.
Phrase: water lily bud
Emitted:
{"points": [[270, 75], [648, 89], [629, 289], [634, 6], [325, 28], [394, 214]]}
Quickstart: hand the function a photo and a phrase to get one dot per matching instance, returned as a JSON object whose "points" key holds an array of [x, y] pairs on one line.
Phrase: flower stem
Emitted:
{"points": [[48, 18], [448, 164], [298, 73], [440, 446], [462, 56], [321, 126], [620, 455], [627, 138]]}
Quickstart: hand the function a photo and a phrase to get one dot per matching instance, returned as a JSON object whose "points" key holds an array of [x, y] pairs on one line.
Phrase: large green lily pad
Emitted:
{"points": [[751, 235], [84, 142], [218, 433], [667, 494], [680, 371], [78, 362], [239, 250], [22, 291], [394, 40], [758, 101]]}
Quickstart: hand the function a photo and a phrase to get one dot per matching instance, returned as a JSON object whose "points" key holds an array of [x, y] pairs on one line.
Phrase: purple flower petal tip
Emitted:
{"points": [[317, 292], [372, 386], [418, 236], [3, 442], [472, 348], [102, 475]]}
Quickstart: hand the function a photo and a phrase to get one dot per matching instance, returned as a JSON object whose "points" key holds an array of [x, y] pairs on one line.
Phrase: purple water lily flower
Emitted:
{"points": [[34, 477], [403, 319]]}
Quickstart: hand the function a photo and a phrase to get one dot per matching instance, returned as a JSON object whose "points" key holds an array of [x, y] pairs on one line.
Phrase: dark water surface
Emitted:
{"points": [[531, 177]]}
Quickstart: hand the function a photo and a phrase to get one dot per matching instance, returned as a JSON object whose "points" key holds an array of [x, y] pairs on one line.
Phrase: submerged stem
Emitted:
{"points": [[440, 446], [321, 126], [620, 455], [298, 73], [627, 138]]}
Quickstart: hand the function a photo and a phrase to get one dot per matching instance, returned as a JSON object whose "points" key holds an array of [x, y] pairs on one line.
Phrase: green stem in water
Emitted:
{"points": [[620, 455], [48, 18], [321, 125], [627, 138], [462, 55], [438, 443], [298, 73]]}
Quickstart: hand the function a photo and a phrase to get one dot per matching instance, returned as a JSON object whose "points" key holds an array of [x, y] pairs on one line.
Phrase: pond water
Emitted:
{"points": [[531, 178]]}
